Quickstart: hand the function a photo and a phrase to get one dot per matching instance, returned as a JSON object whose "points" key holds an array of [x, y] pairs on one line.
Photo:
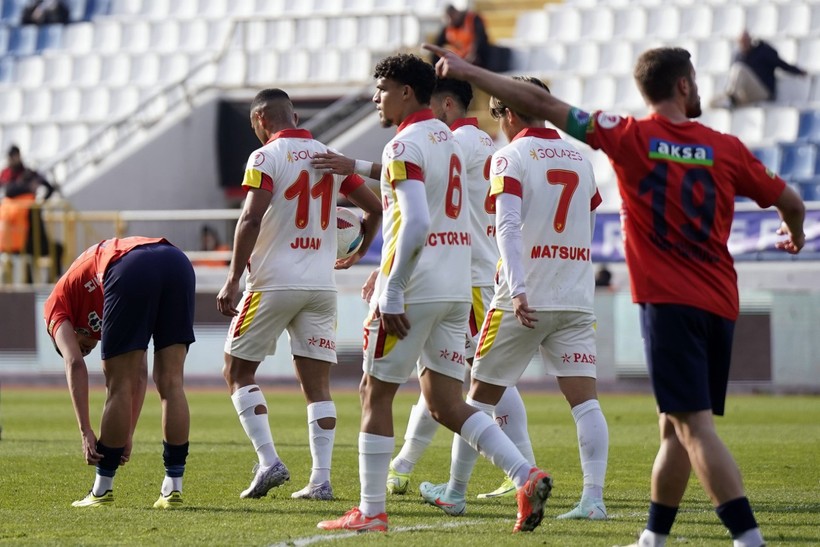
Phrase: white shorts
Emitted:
{"points": [[435, 341], [482, 296], [566, 340], [308, 316]]}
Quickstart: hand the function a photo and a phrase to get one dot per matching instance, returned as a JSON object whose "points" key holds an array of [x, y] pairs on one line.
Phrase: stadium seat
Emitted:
{"points": [[630, 23], [324, 65], [145, 70], [65, 104], [94, 105], [263, 66], [173, 67], [545, 59], [36, 105], [78, 37], [529, 27], [793, 90], [49, 37], [695, 21], [45, 141], [23, 40], [11, 104], [7, 69], [786, 46], [115, 69], [808, 54], [761, 19], [747, 124], [232, 69], [563, 23], [718, 119], [293, 66], [17, 133], [598, 93], [713, 55], [193, 35], [728, 20], [808, 128], [581, 58], [627, 96], [793, 19], [57, 70], [797, 160], [663, 22], [86, 70], [214, 9], [615, 57], [769, 156], [781, 123], [596, 24], [357, 65], [357, 6], [341, 32], [93, 9], [310, 32], [10, 11], [814, 24], [374, 32], [328, 7], [164, 36], [809, 189], [30, 71], [136, 36], [567, 88], [108, 36], [5, 31]]}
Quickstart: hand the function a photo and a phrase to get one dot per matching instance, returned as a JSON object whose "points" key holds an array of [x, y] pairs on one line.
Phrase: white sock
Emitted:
{"points": [[256, 426], [484, 435], [374, 460], [651, 539], [102, 485], [749, 538], [169, 484], [463, 456], [421, 428], [511, 416], [593, 446], [321, 440]]}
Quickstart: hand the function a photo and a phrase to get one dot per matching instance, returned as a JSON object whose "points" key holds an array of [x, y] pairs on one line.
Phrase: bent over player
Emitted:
{"points": [[126, 292]]}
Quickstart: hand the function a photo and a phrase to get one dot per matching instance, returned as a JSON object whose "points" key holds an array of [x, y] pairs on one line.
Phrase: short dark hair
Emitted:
{"points": [[459, 89], [267, 98], [14, 149], [497, 108], [658, 71], [409, 70], [268, 95]]}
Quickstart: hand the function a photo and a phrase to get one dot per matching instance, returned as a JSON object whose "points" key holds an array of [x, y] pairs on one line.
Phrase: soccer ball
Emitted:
{"points": [[349, 234]]}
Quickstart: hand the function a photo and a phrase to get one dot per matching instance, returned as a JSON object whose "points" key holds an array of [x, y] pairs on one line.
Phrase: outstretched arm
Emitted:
{"points": [[792, 211], [520, 96], [339, 164]]}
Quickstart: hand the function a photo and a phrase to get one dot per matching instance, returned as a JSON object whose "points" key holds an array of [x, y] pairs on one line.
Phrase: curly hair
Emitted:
{"points": [[458, 89], [409, 70], [658, 71], [497, 108]]}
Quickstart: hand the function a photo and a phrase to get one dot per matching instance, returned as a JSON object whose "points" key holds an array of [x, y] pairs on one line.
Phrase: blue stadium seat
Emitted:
{"points": [[4, 39], [6, 69], [11, 11], [769, 156], [23, 40], [809, 189], [808, 128], [49, 37], [95, 8], [797, 160]]}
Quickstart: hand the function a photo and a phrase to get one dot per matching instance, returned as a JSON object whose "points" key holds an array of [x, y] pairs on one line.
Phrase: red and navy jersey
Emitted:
{"points": [[78, 294], [678, 184]]}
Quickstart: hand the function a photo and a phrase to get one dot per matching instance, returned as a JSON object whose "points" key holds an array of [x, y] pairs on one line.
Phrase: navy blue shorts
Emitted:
{"points": [[148, 292], [688, 351]]}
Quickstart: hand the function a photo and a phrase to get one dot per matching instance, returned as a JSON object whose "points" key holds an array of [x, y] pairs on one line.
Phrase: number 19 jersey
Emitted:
{"points": [[557, 190], [296, 246], [425, 149]]}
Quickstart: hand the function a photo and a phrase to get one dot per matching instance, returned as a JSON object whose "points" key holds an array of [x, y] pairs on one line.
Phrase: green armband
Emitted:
{"points": [[577, 123]]}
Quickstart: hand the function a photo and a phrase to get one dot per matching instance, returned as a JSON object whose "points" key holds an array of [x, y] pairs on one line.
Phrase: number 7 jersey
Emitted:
{"points": [[296, 246]]}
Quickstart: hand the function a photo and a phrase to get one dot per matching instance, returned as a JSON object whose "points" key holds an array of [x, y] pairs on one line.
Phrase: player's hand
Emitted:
{"points": [[345, 263], [449, 64], [369, 286], [523, 312], [794, 243], [92, 457], [396, 324], [226, 298], [331, 162]]}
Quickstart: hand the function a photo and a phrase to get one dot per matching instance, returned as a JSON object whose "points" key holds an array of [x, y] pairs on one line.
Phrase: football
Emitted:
{"points": [[349, 233]]}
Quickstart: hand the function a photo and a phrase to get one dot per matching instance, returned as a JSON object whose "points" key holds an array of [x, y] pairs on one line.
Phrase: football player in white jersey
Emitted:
{"points": [[422, 299], [286, 239], [545, 211], [450, 101]]}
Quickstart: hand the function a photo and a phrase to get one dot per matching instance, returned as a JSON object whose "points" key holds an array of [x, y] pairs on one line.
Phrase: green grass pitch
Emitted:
{"points": [[776, 440]]}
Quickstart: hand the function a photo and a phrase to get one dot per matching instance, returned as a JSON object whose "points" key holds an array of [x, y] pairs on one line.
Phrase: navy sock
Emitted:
{"points": [[661, 518], [110, 461], [174, 456], [737, 516]]}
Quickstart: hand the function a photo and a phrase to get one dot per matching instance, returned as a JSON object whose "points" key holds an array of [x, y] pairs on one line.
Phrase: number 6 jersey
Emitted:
{"points": [[296, 247]]}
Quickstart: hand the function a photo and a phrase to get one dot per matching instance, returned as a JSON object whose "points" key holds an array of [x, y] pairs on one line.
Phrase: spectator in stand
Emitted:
{"points": [[751, 76], [14, 167], [45, 12], [464, 34], [210, 242]]}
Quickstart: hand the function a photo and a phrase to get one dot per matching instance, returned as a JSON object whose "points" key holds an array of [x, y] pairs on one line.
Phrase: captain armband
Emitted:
{"points": [[577, 123]]}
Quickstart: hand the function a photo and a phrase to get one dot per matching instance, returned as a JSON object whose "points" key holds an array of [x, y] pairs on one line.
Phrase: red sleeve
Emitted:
{"points": [[595, 201], [604, 131], [350, 183], [508, 185]]}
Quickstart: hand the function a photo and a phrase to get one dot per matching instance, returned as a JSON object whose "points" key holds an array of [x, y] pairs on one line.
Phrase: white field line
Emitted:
{"points": [[344, 535]]}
